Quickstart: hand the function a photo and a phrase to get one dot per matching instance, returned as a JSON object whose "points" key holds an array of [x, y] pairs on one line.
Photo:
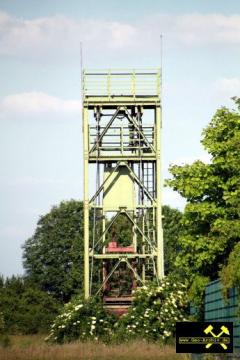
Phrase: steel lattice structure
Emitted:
{"points": [[122, 152]]}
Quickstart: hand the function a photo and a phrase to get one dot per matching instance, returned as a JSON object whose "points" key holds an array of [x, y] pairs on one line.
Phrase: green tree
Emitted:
{"points": [[171, 232], [25, 308], [53, 256], [211, 220], [121, 231], [2, 324], [230, 274]]}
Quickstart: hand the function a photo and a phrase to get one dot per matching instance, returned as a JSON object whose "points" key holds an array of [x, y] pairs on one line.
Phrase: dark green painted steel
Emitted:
{"points": [[216, 308]]}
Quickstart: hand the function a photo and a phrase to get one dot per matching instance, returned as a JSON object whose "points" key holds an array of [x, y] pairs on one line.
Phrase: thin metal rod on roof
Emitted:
{"points": [[81, 68]]}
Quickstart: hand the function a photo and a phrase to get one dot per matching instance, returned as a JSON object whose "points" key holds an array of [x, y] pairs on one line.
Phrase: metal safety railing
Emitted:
{"points": [[121, 138], [117, 83]]}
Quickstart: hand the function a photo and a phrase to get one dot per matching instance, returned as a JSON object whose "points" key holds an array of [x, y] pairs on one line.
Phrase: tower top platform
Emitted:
{"points": [[121, 86]]}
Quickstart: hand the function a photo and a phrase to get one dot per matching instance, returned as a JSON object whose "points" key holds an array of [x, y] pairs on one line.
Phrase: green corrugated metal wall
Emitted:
{"points": [[218, 309]]}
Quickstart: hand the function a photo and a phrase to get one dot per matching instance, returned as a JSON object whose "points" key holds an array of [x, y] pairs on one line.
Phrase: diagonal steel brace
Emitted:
{"points": [[109, 275], [107, 228], [105, 130], [102, 186], [135, 124], [133, 270], [138, 228], [140, 183]]}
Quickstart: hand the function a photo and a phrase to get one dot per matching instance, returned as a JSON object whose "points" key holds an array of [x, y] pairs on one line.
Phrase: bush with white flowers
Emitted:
{"points": [[156, 309], [153, 315], [82, 320]]}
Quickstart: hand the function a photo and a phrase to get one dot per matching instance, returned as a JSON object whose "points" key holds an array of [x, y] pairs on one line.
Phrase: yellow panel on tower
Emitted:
{"points": [[118, 189]]}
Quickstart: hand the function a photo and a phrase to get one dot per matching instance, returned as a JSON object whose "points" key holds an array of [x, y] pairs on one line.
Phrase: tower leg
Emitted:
{"points": [[86, 205], [160, 264]]}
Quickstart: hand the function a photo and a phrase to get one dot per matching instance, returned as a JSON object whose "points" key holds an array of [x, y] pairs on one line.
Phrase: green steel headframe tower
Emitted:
{"points": [[122, 180]]}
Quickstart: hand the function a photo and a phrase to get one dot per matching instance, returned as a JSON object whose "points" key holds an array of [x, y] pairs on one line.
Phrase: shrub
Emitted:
{"points": [[27, 310], [1, 323], [82, 320], [4, 338], [152, 316], [154, 313], [196, 295]]}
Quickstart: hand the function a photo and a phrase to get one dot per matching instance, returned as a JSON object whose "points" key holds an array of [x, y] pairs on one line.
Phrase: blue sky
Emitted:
{"points": [[40, 109], [114, 9]]}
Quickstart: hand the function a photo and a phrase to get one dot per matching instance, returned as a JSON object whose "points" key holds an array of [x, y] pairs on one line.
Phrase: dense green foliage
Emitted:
{"points": [[53, 261], [53, 257], [171, 231], [211, 220], [82, 320], [4, 338], [24, 308], [152, 316], [2, 324], [155, 310], [230, 274], [121, 231]]}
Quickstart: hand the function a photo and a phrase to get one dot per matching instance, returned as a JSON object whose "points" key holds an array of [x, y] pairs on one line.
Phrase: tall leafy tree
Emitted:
{"points": [[53, 256], [122, 228], [171, 231], [230, 274], [121, 231], [25, 308], [211, 220]]}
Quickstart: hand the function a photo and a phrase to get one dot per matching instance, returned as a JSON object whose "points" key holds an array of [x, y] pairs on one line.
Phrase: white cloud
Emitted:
{"points": [[38, 102], [208, 29], [59, 36], [228, 86]]}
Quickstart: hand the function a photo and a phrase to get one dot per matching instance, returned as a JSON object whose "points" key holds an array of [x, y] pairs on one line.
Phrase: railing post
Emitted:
{"points": [[121, 138], [133, 84], [109, 84]]}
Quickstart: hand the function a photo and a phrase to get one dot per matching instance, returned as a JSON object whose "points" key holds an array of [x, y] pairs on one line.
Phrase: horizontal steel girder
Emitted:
{"points": [[123, 256]]}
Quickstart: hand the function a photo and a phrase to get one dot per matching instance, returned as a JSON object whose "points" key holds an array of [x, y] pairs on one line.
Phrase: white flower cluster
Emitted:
{"points": [[63, 320], [78, 322], [155, 311]]}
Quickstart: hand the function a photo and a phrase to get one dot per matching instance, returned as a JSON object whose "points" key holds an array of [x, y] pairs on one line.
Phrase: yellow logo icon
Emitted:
{"points": [[224, 331]]}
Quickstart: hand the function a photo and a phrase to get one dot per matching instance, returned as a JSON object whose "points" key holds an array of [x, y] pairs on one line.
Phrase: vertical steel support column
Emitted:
{"points": [[103, 230], [86, 203], [134, 231], [143, 249], [160, 264]]}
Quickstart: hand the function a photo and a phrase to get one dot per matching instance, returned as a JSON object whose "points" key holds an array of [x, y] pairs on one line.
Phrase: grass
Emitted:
{"points": [[34, 348]]}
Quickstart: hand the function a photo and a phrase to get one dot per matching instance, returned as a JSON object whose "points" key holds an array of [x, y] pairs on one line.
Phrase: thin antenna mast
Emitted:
{"points": [[81, 67], [161, 59]]}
